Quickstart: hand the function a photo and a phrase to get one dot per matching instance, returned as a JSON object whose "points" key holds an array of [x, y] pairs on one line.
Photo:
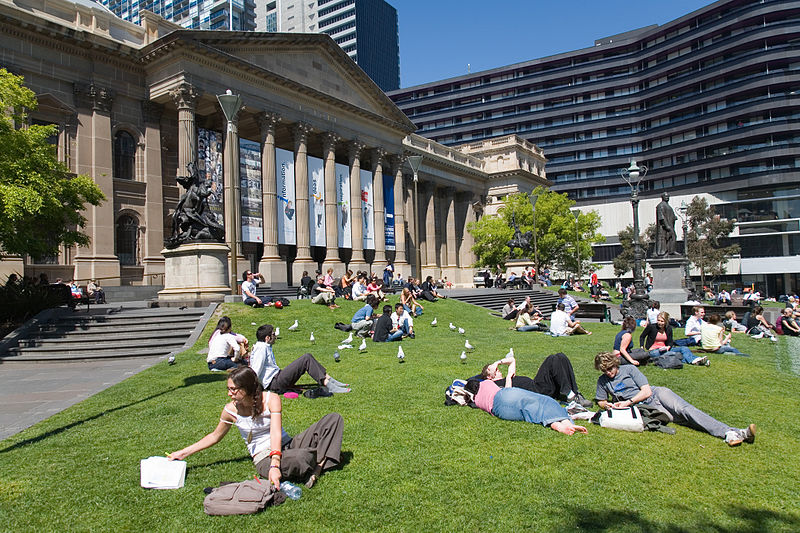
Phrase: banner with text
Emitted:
{"points": [[250, 178], [284, 179], [345, 239], [367, 210], [316, 201], [209, 165], [388, 204]]}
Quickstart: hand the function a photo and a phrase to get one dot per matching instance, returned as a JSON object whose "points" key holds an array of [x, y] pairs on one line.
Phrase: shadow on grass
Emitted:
{"points": [[187, 382], [746, 520]]}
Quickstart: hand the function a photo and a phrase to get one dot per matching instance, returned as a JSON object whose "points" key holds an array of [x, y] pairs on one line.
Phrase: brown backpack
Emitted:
{"points": [[245, 497]]}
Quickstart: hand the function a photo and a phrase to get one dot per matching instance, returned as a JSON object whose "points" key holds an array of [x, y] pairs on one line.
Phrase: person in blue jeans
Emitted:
{"points": [[657, 339], [713, 337]]}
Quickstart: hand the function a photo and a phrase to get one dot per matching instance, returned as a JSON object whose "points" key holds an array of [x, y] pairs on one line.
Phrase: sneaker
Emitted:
{"points": [[749, 434], [319, 392], [583, 402], [757, 336], [734, 437], [701, 361], [774, 339]]}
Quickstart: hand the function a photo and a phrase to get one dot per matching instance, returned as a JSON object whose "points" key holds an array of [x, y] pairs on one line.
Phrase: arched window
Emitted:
{"points": [[124, 156], [127, 240]]}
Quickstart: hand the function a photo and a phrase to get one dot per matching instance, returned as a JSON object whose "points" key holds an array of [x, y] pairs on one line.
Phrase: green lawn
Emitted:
{"points": [[413, 464]]}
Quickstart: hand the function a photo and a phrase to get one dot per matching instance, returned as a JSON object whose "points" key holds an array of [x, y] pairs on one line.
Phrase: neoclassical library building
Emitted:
{"points": [[320, 152]]}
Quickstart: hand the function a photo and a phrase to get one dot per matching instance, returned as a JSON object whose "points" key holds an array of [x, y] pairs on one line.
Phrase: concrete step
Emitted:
{"points": [[106, 347], [43, 357], [496, 300], [90, 338], [114, 329], [132, 324]]}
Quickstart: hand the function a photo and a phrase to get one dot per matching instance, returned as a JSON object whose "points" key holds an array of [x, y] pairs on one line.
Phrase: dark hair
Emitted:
{"points": [[245, 274], [472, 386], [263, 332], [560, 307], [387, 309], [246, 379], [713, 319], [562, 292], [372, 301], [758, 310], [511, 300], [655, 304], [629, 323], [485, 371], [398, 305], [305, 273], [224, 324]]}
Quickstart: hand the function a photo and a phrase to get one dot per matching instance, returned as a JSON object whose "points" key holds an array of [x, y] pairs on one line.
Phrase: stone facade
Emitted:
{"points": [[129, 102]]}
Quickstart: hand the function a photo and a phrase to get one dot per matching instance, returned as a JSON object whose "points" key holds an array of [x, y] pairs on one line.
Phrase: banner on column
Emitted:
{"points": [[316, 201], [367, 210], [388, 205], [345, 239], [250, 178], [284, 177], [209, 165]]}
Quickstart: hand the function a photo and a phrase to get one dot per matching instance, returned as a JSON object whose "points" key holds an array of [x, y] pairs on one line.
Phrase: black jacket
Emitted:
{"points": [[648, 336]]}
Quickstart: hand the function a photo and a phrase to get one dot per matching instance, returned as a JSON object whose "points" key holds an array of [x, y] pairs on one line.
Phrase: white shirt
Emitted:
{"points": [[652, 315], [262, 361], [221, 345], [249, 286], [399, 319], [358, 289], [559, 322], [693, 325]]}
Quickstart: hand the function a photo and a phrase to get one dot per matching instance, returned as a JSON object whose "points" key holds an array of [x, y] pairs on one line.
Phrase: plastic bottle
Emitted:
{"points": [[293, 492]]}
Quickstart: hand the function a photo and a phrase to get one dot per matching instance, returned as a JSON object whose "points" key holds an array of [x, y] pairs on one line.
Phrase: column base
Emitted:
{"points": [[100, 267], [303, 264], [274, 271], [153, 270], [195, 272]]}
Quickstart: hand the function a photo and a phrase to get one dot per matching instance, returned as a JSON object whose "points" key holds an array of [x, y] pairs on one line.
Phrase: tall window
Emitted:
{"points": [[124, 156], [127, 240]]}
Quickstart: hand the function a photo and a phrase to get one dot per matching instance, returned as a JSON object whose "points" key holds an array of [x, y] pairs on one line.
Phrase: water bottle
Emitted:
{"points": [[293, 492]]}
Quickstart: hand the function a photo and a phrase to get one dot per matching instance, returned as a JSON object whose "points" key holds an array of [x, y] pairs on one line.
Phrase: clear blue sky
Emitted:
{"points": [[438, 38]]}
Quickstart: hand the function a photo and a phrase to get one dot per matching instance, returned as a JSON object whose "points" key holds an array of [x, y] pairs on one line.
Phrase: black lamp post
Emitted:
{"points": [[415, 161], [533, 199], [637, 306], [682, 210], [577, 214]]}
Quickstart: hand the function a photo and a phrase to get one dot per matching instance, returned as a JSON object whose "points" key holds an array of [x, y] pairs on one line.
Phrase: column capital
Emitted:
{"points": [[378, 155], [355, 148], [464, 196], [151, 112], [301, 131], [267, 122], [185, 96], [93, 97], [329, 141], [448, 192], [427, 186]]}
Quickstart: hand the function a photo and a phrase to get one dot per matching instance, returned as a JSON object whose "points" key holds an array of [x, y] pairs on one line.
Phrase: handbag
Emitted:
{"points": [[628, 419], [246, 497]]}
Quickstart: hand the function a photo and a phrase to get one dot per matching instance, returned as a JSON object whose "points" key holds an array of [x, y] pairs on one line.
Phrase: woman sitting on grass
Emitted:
{"points": [[623, 343], [410, 304], [657, 339], [530, 320], [512, 403], [759, 327], [225, 349], [257, 415], [626, 386]]}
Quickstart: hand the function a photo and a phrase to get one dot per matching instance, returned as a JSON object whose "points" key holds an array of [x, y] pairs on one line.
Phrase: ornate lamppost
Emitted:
{"points": [[415, 161], [682, 211], [533, 199], [638, 303], [577, 214], [231, 104]]}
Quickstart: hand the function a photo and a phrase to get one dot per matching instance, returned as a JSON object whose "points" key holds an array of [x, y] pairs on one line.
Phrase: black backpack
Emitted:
{"points": [[669, 360]]}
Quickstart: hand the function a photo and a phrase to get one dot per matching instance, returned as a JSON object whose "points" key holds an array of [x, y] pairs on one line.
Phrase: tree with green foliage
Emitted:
{"points": [[623, 262], [707, 238], [555, 232], [40, 200]]}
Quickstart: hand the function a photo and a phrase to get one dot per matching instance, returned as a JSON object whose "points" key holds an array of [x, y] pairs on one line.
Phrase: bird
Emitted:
{"points": [[311, 339], [401, 356], [336, 356], [252, 323], [171, 359], [468, 346], [294, 326], [277, 332], [363, 346], [349, 339], [461, 330], [463, 357], [452, 327], [344, 346], [434, 322]]}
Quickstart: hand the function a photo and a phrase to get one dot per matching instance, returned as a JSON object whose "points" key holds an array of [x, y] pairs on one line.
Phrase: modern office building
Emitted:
{"points": [[365, 29], [195, 14], [709, 102]]}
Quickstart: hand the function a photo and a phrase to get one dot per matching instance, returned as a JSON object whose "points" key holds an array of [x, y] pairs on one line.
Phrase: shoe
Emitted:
{"points": [[583, 402], [757, 336], [749, 434], [701, 361], [774, 339], [319, 392], [734, 437], [411, 336]]}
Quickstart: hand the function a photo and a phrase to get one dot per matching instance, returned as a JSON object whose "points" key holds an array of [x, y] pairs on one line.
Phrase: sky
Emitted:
{"points": [[440, 38]]}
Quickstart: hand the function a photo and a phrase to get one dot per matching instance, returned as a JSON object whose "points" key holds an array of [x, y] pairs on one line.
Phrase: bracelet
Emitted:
{"points": [[275, 452], [274, 466]]}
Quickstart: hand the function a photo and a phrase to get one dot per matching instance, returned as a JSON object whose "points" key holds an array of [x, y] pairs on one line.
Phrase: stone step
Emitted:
{"points": [[90, 338], [114, 329], [27, 357], [75, 348], [133, 324]]}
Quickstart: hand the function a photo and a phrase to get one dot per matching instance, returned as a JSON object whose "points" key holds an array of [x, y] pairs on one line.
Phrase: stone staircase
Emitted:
{"points": [[495, 299], [107, 332], [278, 291]]}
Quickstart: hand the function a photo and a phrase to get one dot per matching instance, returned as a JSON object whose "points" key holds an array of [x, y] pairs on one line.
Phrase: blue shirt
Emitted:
{"points": [[569, 303], [362, 314]]}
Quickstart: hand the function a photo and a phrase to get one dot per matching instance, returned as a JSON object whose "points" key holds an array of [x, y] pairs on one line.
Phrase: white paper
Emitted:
{"points": [[158, 472]]}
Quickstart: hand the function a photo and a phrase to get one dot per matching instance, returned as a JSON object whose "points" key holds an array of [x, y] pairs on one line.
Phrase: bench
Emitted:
{"points": [[591, 310], [740, 310]]}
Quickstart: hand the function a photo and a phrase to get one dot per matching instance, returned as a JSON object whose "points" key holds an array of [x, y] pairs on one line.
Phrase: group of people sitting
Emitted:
{"points": [[528, 317]]}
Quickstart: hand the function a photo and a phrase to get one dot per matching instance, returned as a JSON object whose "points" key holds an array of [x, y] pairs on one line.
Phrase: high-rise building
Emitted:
{"points": [[365, 29], [195, 14], [710, 102]]}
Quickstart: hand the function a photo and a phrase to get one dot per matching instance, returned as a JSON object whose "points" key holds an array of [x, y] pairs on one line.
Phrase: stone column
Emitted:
{"points": [[232, 198], [357, 259], [450, 262], [303, 261], [378, 156], [399, 214], [464, 255], [185, 98], [271, 266], [428, 211], [153, 261], [413, 242], [329, 141], [94, 153]]}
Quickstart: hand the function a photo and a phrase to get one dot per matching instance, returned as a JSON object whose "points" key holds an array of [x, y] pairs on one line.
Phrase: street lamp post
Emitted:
{"points": [[633, 176], [682, 210], [231, 104], [415, 161], [533, 199], [577, 214]]}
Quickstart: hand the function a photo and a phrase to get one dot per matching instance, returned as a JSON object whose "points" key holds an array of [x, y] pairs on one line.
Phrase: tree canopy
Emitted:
{"points": [[555, 231], [623, 262], [707, 241], [40, 200]]}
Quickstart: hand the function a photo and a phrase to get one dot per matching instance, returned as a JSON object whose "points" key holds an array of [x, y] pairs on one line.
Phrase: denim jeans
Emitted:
{"points": [[688, 341], [684, 413], [532, 327], [728, 349], [686, 354], [417, 311], [520, 404], [222, 363], [396, 336], [403, 326]]}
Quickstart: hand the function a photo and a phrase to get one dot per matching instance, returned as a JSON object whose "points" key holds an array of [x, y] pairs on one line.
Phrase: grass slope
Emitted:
{"points": [[411, 463]]}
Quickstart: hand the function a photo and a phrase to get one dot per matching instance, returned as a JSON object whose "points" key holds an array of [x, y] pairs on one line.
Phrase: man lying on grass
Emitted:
{"points": [[626, 386], [513, 403]]}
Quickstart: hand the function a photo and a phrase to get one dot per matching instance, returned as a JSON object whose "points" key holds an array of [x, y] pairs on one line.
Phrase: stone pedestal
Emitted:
{"points": [[194, 273], [668, 279]]}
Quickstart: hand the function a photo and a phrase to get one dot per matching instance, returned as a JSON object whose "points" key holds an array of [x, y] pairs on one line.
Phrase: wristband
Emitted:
{"points": [[275, 452], [274, 466]]}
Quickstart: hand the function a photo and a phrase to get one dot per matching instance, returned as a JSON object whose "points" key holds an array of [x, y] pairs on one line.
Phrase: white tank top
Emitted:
{"points": [[255, 431]]}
